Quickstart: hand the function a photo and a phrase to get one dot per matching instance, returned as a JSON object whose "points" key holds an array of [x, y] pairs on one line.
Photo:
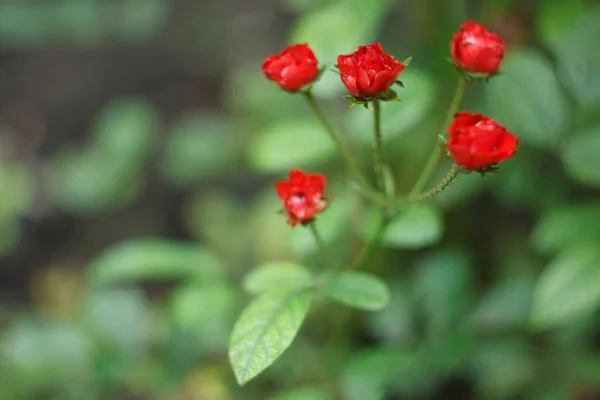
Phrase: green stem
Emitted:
{"points": [[320, 244], [377, 145], [435, 155], [372, 245], [369, 250], [344, 151], [434, 191], [392, 203]]}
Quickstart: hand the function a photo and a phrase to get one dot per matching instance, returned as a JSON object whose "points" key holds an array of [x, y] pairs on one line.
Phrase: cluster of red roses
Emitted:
{"points": [[475, 142]]}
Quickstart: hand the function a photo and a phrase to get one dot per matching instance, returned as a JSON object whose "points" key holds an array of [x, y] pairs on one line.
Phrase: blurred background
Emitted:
{"points": [[139, 145]]}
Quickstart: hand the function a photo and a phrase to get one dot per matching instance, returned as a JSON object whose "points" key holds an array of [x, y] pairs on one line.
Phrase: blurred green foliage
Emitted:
{"points": [[495, 284]]}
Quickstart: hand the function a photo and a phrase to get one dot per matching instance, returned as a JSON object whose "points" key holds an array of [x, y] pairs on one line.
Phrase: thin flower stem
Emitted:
{"points": [[344, 151], [320, 244], [368, 251], [435, 155], [434, 191], [378, 145]]}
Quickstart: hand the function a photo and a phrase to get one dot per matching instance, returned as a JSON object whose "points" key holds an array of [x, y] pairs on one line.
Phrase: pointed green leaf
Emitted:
{"points": [[568, 289], [265, 330], [277, 276], [358, 290]]}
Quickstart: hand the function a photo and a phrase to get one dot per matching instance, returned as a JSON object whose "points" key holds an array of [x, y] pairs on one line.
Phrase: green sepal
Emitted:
{"points": [[490, 169], [443, 147], [471, 76], [389, 95]]}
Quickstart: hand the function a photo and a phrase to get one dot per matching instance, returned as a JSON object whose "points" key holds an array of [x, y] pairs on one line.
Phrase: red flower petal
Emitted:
{"points": [[282, 188], [302, 196], [369, 71], [293, 68], [475, 49], [476, 141]]}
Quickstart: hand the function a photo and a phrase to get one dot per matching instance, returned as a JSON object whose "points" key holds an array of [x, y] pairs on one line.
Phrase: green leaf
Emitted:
{"points": [[578, 60], [151, 259], [580, 157], [215, 217], [442, 284], [396, 323], [140, 22], [565, 226], [300, 143], [265, 330], [199, 146], [125, 129], [526, 181], [358, 290], [418, 226], [368, 374], [338, 27], [303, 393], [503, 368], [51, 347], [86, 181], [108, 172], [418, 97], [277, 275], [527, 100], [568, 289], [259, 98], [555, 17], [120, 319], [505, 306], [205, 311]]}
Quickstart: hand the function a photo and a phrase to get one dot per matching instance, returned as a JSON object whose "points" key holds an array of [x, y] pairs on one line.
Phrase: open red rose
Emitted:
{"points": [[476, 141], [302, 196], [295, 67], [476, 49], [369, 71]]}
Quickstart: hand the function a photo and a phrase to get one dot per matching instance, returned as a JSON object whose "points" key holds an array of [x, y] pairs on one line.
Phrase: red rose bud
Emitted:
{"points": [[302, 196], [369, 71], [476, 49], [476, 141], [295, 67]]}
